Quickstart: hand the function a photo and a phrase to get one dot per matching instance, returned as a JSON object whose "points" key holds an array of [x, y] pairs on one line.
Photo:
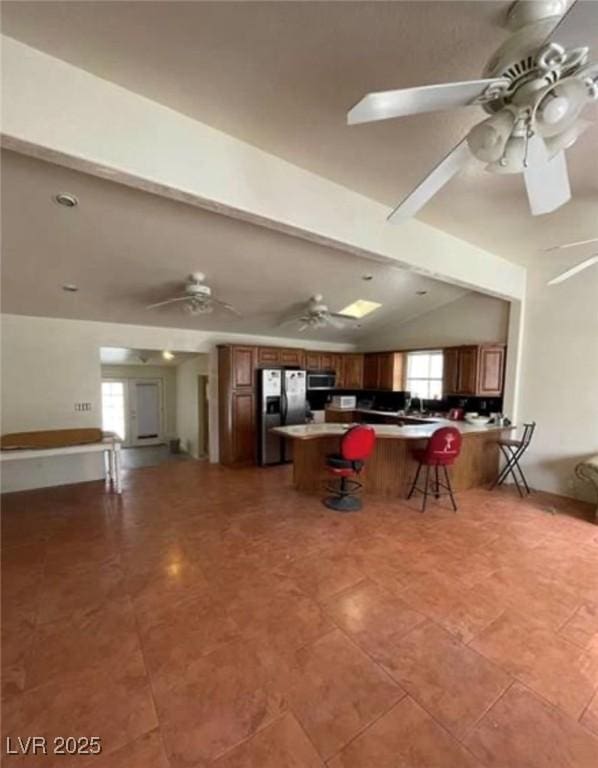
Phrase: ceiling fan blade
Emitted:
{"points": [[294, 319], [574, 270], [456, 159], [168, 301], [382, 105], [546, 181], [579, 22], [574, 244], [334, 321], [224, 305]]}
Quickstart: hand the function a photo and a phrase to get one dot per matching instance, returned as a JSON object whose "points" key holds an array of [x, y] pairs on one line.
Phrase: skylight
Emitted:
{"points": [[360, 308]]}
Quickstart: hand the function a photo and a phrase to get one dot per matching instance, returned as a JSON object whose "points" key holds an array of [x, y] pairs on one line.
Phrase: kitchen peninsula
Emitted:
{"points": [[391, 467]]}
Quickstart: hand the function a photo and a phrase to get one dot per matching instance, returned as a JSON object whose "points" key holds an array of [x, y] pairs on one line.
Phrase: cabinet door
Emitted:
{"points": [[243, 365], [312, 361], [468, 371], [371, 371], [390, 371], [338, 368], [292, 357], [491, 370], [243, 427], [450, 371], [268, 356], [353, 371], [326, 363]]}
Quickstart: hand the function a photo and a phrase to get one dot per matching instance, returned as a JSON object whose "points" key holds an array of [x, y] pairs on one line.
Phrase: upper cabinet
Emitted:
{"points": [[280, 356], [474, 370], [243, 365], [383, 370], [352, 371]]}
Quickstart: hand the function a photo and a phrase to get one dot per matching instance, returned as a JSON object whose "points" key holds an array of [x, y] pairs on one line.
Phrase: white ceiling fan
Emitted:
{"points": [[197, 298], [534, 88], [317, 315]]}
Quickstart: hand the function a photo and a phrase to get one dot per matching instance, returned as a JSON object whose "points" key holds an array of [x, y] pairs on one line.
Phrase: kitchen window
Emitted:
{"points": [[424, 374]]}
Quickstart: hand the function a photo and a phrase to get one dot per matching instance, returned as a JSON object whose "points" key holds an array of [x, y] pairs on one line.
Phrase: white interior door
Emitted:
{"points": [[146, 412]]}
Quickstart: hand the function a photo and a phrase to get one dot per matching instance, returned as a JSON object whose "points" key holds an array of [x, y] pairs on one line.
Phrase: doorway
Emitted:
{"points": [[203, 403], [133, 408]]}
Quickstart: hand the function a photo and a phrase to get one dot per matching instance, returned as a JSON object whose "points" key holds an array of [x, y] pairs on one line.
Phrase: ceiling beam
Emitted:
{"points": [[63, 114]]}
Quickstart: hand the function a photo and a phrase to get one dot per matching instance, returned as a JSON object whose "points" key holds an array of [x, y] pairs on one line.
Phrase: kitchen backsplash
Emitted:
{"points": [[397, 401]]}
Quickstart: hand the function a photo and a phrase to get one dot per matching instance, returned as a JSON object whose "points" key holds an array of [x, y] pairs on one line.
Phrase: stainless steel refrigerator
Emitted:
{"points": [[281, 402]]}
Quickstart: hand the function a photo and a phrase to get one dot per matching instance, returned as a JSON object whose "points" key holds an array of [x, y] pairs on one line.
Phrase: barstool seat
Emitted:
{"points": [[441, 450], [356, 445]]}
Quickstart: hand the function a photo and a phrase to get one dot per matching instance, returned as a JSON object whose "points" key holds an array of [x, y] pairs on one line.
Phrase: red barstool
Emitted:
{"points": [[356, 445], [441, 451]]}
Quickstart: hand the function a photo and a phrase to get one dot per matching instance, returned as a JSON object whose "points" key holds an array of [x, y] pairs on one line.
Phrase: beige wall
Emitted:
{"points": [[166, 374], [471, 319], [188, 416], [559, 378], [48, 364]]}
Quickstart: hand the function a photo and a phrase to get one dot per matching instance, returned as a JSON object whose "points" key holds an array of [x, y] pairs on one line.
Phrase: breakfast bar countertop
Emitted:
{"points": [[387, 431]]}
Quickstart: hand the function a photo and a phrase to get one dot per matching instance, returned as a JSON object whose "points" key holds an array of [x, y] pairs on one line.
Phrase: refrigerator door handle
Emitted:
{"points": [[285, 407]]}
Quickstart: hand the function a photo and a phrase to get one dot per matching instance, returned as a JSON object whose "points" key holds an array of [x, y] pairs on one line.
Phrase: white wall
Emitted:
{"points": [[187, 403], [471, 319], [48, 364], [166, 374], [559, 378]]}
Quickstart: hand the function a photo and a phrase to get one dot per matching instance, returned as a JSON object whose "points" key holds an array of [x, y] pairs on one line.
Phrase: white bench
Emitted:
{"points": [[110, 446]]}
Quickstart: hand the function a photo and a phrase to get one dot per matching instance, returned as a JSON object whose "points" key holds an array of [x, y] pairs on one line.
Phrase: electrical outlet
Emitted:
{"points": [[83, 406]]}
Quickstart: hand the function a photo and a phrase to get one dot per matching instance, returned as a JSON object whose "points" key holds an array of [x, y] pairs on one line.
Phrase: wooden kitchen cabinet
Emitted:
{"points": [[450, 371], [269, 356], [467, 377], [244, 436], [243, 366], [371, 372], [491, 370], [383, 371], [352, 371], [292, 357], [474, 370], [326, 361], [312, 361]]}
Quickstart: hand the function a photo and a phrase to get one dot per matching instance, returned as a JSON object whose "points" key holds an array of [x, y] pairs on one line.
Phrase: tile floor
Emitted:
{"points": [[216, 617]]}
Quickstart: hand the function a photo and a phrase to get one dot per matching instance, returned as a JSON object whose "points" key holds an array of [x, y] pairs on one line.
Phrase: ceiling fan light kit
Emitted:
{"points": [[534, 90], [197, 298]]}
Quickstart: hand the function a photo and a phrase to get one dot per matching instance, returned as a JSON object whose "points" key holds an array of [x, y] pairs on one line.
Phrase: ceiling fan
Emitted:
{"points": [[534, 89], [317, 315], [577, 268], [197, 298]]}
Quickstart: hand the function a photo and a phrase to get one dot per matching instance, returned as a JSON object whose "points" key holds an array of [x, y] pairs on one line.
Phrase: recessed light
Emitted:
{"points": [[420, 293], [64, 198], [368, 276], [167, 355], [69, 287], [360, 308]]}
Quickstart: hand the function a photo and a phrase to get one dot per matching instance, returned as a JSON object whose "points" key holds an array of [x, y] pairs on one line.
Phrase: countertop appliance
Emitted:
{"points": [[321, 380], [281, 403], [344, 401]]}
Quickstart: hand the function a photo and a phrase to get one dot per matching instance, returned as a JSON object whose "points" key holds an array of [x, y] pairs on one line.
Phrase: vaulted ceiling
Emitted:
{"points": [[281, 76], [125, 249]]}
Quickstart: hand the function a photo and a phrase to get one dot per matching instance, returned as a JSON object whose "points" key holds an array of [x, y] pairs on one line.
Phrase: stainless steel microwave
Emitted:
{"points": [[321, 380]]}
